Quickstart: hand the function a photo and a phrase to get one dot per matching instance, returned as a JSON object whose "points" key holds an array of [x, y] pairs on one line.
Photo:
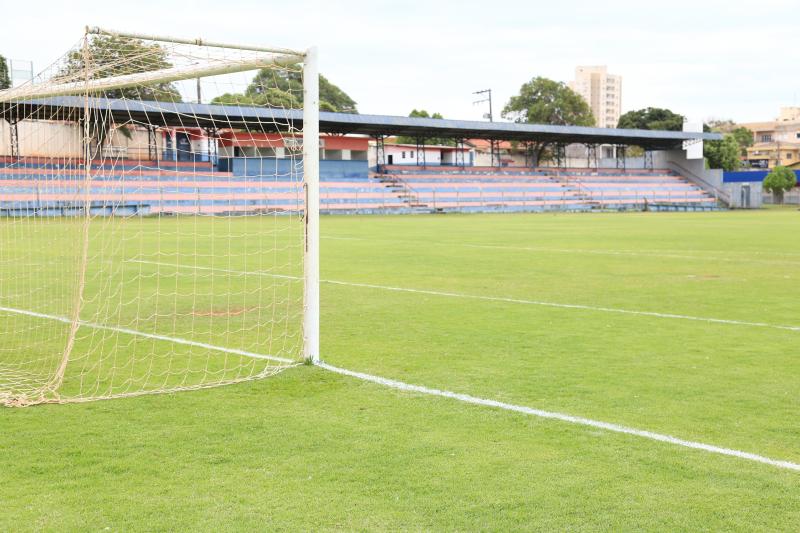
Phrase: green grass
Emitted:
{"points": [[308, 449]]}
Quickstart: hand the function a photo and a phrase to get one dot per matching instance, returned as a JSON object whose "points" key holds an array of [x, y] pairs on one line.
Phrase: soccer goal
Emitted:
{"points": [[159, 219]]}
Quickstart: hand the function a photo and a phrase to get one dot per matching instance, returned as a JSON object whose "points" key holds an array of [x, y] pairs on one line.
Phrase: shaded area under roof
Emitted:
{"points": [[266, 119]]}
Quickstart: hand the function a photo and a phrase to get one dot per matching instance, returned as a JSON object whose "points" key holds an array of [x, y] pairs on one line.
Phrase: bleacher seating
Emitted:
{"points": [[147, 187], [518, 189], [30, 187]]}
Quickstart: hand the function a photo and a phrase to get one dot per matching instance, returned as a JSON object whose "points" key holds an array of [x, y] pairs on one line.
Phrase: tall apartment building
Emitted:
{"points": [[602, 91]]}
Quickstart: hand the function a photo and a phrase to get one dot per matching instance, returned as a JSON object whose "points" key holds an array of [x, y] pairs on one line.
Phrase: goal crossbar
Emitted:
{"points": [[198, 42], [132, 80]]}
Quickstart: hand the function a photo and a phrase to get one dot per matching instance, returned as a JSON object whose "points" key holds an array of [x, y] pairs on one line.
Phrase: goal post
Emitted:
{"points": [[151, 241], [311, 186]]}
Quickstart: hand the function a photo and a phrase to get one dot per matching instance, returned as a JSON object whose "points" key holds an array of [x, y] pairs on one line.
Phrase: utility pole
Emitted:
{"points": [[487, 98]]}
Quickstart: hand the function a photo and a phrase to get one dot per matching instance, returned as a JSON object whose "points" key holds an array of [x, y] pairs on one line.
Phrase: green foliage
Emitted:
{"points": [[114, 56], [284, 89], [421, 113], [722, 154], [5, 78], [744, 138], [651, 118], [271, 97], [780, 180], [544, 101]]}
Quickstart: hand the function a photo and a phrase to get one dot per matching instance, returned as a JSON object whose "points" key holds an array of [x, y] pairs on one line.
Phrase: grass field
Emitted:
{"points": [[678, 323]]}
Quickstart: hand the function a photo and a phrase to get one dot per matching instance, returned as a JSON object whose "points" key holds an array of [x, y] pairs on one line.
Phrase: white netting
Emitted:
{"points": [[150, 242]]}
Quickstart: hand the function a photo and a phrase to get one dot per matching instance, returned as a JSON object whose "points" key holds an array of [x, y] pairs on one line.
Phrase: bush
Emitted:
{"points": [[780, 180]]}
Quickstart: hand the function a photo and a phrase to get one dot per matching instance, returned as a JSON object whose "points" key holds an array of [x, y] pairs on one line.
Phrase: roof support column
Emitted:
{"points": [[380, 154], [619, 153], [648, 158], [14, 134], [494, 147], [591, 156], [560, 154], [459, 159], [152, 145], [421, 152]]}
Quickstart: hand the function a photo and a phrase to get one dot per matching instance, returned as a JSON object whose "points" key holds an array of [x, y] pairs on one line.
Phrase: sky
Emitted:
{"points": [[704, 58]]}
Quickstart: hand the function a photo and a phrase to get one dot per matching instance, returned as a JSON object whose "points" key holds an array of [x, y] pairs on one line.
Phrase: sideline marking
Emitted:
{"points": [[557, 305], [616, 428], [466, 398]]}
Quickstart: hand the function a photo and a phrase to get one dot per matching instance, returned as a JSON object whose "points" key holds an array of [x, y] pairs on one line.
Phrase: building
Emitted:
{"points": [[429, 155], [602, 91], [506, 153], [45, 138], [775, 142]]}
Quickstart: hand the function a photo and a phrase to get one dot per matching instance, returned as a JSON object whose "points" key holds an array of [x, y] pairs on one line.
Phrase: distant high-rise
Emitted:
{"points": [[602, 91]]}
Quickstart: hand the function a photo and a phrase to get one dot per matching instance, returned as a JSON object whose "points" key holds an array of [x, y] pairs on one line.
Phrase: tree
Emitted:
{"points": [[114, 56], [651, 118], [421, 113], [780, 180], [5, 79], [720, 125], [544, 101], [284, 89], [744, 138], [722, 154], [270, 98]]}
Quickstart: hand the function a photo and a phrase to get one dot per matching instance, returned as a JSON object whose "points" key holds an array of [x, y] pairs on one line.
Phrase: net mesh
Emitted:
{"points": [[151, 221]]}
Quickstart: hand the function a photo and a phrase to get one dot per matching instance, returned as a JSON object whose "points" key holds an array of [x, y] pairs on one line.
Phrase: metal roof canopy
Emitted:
{"points": [[267, 119]]}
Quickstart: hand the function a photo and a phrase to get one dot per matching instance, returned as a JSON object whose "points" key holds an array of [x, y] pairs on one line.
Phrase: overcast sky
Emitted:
{"points": [[702, 58]]}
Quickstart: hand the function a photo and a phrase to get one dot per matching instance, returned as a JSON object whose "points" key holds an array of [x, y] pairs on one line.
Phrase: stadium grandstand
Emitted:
{"points": [[185, 162]]}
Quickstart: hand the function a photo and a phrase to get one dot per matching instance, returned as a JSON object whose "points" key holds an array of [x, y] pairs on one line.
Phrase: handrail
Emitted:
{"points": [[408, 190], [719, 194]]}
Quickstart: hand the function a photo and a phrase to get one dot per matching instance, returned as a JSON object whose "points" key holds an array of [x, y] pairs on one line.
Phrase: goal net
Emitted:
{"points": [[158, 219]]}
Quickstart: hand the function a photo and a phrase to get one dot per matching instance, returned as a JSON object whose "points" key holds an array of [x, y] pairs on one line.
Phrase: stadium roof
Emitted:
{"points": [[207, 115]]}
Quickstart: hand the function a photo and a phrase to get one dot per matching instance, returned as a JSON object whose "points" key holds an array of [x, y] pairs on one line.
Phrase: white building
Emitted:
{"points": [[602, 91], [408, 154]]}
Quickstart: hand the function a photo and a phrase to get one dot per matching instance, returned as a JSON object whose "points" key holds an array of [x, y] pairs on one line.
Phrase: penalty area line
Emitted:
{"points": [[556, 305], [551, 415], [466, 398]]}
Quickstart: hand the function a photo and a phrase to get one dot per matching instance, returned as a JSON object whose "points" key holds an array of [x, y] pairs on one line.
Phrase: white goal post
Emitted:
{"points": [[153, 244]]}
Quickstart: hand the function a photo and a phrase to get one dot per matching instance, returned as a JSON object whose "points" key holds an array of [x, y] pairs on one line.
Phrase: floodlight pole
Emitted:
{"points": [[311, 219]]}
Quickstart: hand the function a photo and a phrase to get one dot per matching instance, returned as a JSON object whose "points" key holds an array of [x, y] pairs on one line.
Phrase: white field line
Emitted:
{"points": [[628, 253], [616, 428], [556, 305], [137, 333], [466, 398], [631, 253]]}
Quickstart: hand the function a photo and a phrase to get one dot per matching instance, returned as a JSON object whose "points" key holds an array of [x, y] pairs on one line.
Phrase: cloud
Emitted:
{"points": [[711, 58]]}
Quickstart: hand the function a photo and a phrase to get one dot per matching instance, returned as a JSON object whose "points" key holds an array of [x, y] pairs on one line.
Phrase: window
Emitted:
{"points": [[788, 155], [411, 155], [404, 155], [797, 135], [766, 138]]}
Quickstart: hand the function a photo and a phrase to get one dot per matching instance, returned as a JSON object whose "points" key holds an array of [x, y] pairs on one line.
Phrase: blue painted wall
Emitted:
{"points": [[739, 176], [288, 169]]}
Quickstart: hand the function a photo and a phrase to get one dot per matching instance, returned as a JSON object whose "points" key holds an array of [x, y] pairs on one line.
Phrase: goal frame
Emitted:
{"points": [[310, 135]]}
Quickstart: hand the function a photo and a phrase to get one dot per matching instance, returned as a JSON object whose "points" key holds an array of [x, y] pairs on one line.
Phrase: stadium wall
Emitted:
{"points": [[274, 168]]}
